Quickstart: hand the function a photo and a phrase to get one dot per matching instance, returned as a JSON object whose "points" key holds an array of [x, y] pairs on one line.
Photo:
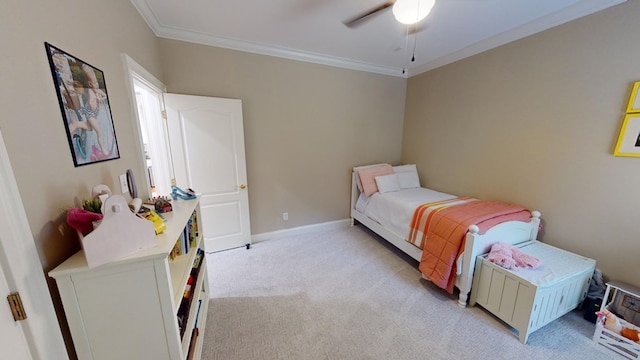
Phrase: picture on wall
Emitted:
{"points": [[82, 94], [629, 139], [634, 100]]}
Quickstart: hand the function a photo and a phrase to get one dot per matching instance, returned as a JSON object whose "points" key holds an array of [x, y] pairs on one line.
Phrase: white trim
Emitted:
{"points": [[331, 225], [148, 15], [570, 13], [271, 50], [24, 272], [135, 72], [133, 67], [184, 35]]}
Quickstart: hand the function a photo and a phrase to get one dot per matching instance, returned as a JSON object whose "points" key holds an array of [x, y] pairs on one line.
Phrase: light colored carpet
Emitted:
{"points": [[346, 294]]}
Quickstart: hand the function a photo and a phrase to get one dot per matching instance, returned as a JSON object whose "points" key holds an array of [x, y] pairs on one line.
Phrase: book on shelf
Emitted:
{"points": [[192, 344], [192, 226], [195, 324], [187, 296], [183, 316], [197, 262], [175, 251], [184, 243], [188, 238], [198, 259], [187, 291], [195, 332]]}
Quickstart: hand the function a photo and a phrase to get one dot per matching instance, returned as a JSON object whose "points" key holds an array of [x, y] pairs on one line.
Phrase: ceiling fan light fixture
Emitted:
{"points": [[411, 11]]}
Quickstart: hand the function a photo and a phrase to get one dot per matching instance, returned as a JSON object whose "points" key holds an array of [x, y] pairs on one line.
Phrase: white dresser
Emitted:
{"points": [[130, 308]]}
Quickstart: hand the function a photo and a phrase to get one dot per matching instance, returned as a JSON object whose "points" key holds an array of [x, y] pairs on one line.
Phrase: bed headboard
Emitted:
{"points": [[355, 190]]}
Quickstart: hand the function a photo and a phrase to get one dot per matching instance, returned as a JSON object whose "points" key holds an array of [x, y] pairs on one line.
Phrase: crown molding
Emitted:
{"points": [[570, 13], [205, 39]]}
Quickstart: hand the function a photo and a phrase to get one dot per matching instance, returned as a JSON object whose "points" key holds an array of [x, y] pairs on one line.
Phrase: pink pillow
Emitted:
{"points": [[368, 177]]}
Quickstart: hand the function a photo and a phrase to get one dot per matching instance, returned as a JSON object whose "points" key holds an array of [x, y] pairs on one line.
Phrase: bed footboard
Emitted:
{"points": [[511, 232]]}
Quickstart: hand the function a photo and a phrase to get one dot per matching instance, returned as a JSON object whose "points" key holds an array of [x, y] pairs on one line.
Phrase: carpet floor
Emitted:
{"points": [[347, 294]]}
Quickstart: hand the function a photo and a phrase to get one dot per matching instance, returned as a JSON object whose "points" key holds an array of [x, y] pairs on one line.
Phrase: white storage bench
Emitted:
{"points": [[528, 299], [624, 301]]}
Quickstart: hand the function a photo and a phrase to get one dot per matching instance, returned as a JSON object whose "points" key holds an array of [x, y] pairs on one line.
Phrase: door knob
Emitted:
{"points": [[243, 186]]}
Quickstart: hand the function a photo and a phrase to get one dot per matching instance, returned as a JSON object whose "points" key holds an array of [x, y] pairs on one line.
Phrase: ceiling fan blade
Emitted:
{"points": [[357, 20]]}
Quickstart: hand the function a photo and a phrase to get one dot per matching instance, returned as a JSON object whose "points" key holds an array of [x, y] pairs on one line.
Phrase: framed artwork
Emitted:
{"points": [[86, 114], [634, 100], [629, 139]]}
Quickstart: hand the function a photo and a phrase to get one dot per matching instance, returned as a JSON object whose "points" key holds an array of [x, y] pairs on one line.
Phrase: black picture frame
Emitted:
{"points": [[84, 103]]}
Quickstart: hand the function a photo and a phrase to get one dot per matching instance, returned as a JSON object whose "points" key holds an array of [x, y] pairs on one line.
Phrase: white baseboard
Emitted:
{"points": [[331, 225]]}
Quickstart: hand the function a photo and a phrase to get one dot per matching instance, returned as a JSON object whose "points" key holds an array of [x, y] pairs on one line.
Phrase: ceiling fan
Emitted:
{"points": [[405, 11]]}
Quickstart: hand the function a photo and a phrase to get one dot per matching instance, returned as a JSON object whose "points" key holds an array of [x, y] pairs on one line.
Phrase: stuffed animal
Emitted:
{"points": [[502, 255], [612, 323], [510, 257], [631, 334]]}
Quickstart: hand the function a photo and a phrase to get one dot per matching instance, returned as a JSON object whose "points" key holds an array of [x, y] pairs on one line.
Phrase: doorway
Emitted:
{"points": [[195, 142], [156, 153]]}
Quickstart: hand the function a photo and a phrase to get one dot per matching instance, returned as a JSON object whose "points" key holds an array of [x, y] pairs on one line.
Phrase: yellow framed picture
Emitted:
{"points": [[629, 139], [634, 100]]}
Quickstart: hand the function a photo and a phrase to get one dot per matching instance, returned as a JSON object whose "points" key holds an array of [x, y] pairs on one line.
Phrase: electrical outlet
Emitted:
{"points": [[124, 186], [285, 216]]}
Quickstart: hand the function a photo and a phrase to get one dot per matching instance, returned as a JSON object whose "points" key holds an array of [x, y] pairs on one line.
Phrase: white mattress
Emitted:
{"points": [[394, 210], [557, 264]]}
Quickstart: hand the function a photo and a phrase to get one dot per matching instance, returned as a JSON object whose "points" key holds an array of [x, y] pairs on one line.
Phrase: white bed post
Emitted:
{"points": [[354, 196], [535, 224], [468, 266], [476, 244]]}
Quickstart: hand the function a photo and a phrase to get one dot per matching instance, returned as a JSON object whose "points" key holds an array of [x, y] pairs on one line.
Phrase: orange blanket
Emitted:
{"points": [[446, 234], [424, 213]]}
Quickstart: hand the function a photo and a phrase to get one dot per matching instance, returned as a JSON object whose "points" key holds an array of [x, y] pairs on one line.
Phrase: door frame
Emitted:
{"points": [[135, 72], [23, 270], [133, 69]]}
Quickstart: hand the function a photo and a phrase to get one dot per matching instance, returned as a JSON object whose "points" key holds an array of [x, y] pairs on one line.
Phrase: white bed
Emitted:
{"points": [[388, 214]]}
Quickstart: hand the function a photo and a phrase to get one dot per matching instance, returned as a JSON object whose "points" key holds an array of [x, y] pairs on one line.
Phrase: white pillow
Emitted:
{"points": [[407, 180], [405, 168], [387, 183]]}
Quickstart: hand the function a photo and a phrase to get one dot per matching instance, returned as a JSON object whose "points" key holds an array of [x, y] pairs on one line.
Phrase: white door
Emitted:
{"points": [[39, 335], [206, 136]]}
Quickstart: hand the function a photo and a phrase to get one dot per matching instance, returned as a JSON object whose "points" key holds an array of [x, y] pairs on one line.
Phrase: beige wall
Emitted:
{"points": [[535, 122], [532, 122], [305, 126], [31, 122]]}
